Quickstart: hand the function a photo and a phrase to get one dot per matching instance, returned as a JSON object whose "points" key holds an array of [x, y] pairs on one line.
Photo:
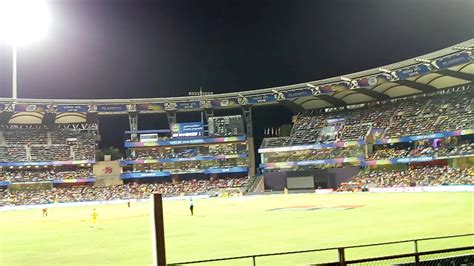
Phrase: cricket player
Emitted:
{"points": [[94, 218], [191, 206]]}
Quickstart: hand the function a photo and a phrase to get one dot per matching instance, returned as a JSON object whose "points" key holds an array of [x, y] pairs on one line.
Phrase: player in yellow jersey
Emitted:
{"points": [[94, 218]]}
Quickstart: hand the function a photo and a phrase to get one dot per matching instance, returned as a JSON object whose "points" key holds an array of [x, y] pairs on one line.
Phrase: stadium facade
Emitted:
{"points": [[391, 117]]}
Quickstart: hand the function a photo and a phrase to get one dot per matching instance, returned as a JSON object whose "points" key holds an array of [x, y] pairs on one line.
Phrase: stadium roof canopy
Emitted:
{"points": [[446, 68]]}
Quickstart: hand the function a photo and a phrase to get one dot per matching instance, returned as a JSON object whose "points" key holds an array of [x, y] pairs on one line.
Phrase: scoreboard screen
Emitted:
{"points": [[226, 125]]}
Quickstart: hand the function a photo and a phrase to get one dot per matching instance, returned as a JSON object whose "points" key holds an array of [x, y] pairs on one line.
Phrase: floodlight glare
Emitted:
{"points": [[23, 21]]}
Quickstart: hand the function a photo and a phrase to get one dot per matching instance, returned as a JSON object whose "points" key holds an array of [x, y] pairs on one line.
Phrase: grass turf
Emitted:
{"points": [[225, 227]]}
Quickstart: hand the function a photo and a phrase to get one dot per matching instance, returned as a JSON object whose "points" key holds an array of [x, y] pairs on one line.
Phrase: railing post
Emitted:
{"points": [[417, 257], [342, 257], [253, 259]]}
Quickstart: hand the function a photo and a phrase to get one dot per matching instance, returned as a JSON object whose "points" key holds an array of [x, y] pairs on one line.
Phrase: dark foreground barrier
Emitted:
{"points": [[463, 255]]}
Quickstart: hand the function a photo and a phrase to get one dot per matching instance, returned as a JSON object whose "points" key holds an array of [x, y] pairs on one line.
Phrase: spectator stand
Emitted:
{"points": [[187, 150], [434, 130]]}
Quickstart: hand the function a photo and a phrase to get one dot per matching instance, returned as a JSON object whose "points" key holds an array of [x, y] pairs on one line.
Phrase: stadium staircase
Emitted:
{"points": [[254, 184]]}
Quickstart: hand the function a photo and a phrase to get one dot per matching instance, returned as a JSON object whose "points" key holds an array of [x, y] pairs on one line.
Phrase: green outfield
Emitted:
{"points": [[225, 227]]}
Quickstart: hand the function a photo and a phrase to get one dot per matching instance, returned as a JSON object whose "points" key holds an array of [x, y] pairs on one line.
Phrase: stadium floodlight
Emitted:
{"points": [[22, 22], [463, 48], [385, 70], [423, 60]]}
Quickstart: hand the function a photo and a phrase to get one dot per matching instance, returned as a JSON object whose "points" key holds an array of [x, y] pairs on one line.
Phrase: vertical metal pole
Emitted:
{"points": [[14, 73], [253, 259], [158, 232], [417, 257], [342, 257]]}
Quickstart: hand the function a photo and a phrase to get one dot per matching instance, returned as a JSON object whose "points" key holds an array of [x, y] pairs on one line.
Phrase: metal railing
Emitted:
{"points": [[413, 257]]}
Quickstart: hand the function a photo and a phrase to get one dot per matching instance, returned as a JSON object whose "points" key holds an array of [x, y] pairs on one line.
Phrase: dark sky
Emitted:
{"points": [[122, 49]]}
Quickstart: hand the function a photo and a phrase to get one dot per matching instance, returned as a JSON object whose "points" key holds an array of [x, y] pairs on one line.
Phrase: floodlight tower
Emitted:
{"points": [[22, 22]]}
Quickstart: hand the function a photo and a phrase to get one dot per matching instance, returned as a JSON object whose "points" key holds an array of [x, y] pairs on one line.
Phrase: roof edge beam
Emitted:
{"points": [[376, 95], [425, 88], [456, 74], [332, 100]]}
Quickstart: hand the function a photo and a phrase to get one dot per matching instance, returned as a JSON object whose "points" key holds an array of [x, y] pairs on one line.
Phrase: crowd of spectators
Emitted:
{"points": [[456, 149], [192, 166], [127, 191], [397, 118], [425, 149], [188, 152], [33, 175], [387, 153], [45, 145], [275, 142], [355, 132], [45, 153], [316, 154], [426, 176]]}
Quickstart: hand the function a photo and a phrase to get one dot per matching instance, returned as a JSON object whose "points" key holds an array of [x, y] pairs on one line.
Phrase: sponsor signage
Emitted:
{"points": [[408, 72], [150, 107], [111, 108], [145, 174], [225, 102], [185, 159], [149, 137], [55, 163], [190, 129], [314, 146], [371, 81], [30, 107], [188, 105], [297, 93], [453, 60], [453, 188], [264, 98], [130, 144], [72, 108], [236, 169], [334, 87], [427, 136]]}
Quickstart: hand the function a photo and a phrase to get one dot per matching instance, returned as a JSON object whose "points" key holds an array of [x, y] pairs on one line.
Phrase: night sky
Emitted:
{"points": [[126, 49]]}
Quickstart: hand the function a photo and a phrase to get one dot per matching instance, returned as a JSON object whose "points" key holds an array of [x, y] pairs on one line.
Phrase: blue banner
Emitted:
{"points": [[129, 144], [184, 159], [453, 60], [145, 174], [78, 180], [297, 93], [31, 107], [413, 159], [188, 105], [225, 102], [150, 107], [189, 129], [72, 108], [237, 169], [407, 72], [372, 81], [313, 146], [438, 135], [398, 160], [112, 108], [55, 163], [264, 98]]}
